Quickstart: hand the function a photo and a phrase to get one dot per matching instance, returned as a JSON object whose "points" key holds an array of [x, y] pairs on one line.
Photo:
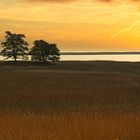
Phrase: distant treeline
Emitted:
{"points": [[15, 47], [99, 53], [93, 53]]}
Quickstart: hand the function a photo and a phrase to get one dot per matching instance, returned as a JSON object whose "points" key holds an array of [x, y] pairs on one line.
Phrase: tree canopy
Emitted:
{"points": [[44, 52], [14, 46]]}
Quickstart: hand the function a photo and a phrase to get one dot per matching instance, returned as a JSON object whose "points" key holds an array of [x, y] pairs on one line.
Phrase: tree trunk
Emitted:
{"points": [[44, 59], [15, 55], [15, 58]]}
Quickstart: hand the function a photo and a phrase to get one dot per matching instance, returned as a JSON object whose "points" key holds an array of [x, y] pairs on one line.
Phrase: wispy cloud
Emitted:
{"points": [[52, 1], [67, 1], [125, 30]]}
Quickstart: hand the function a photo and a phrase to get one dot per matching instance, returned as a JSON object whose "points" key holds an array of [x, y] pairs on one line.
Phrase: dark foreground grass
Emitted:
{"points": [[70, 101]]}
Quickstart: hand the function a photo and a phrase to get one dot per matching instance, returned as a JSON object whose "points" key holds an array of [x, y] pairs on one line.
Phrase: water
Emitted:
{"points": [[122, 57]]}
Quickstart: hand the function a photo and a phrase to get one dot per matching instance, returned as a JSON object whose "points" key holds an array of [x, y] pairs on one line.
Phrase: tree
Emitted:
{"points": [[44, 52], [15, 46]]}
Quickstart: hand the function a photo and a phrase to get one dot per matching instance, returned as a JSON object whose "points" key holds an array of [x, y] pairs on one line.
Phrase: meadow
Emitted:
{"points": [[70, 101]]}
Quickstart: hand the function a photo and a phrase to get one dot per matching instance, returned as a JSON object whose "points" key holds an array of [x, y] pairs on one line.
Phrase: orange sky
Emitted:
{"points": [[75, 25]]}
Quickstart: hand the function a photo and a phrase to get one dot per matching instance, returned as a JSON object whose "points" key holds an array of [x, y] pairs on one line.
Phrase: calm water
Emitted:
{"points": [[131, 58]]}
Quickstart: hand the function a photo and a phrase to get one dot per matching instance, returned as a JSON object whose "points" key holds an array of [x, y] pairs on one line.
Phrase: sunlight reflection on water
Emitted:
{"points": [[131, 58]]}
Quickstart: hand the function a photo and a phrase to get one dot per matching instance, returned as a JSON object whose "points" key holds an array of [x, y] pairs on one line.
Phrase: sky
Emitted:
{"points": [[75, 25]]}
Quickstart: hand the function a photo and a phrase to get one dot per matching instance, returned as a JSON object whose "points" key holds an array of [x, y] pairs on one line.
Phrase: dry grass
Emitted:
{"points": [[75, 126], [70, 101]]}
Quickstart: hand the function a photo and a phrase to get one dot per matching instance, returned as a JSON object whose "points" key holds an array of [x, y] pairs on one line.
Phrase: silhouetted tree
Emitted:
{"points": [[15, 46], [44, 52]]}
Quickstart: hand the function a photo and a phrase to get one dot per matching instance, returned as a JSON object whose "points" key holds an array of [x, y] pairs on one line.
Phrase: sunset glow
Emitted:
{"points": [[75, 25]]}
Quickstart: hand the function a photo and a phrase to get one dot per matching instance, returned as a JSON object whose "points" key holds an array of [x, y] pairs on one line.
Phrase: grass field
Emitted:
{"points": [[70, 101]]}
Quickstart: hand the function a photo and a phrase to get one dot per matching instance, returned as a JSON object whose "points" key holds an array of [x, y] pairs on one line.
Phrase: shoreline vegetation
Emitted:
{"points": [[82, 100], [90, 65], [16, 47]]}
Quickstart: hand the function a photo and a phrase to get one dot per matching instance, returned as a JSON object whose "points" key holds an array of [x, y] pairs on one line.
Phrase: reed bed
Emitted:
{"points": [[64, 102]]}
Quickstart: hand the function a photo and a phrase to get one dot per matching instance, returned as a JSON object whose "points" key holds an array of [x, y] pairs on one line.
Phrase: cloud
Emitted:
{"points": [[68, 1], [52, 1], [65, 1]]}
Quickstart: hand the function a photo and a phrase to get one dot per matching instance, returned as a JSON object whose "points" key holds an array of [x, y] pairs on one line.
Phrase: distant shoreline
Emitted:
{"points": [[94, 53], [99, 53], [66, 64]]}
